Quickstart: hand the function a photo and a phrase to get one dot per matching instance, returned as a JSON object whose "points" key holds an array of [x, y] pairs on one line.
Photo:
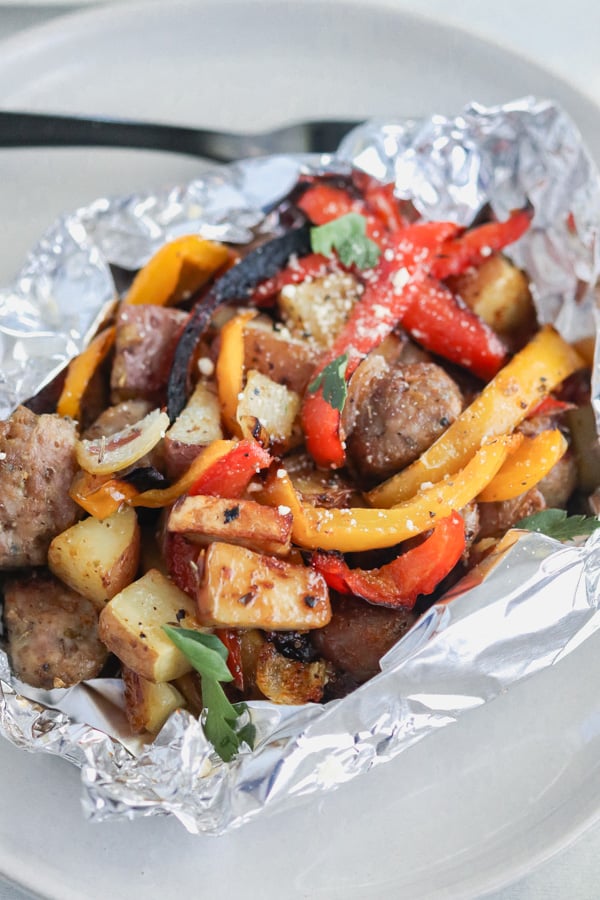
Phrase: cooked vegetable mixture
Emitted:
{"points": [[263, 469]]}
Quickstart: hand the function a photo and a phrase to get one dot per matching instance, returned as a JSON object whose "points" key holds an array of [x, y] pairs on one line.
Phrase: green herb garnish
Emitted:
{"points": [[208, 655], [348, 236], [333, 382], [556, 524]]}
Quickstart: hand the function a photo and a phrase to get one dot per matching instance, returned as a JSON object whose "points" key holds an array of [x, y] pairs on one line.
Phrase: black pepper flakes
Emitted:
{"points": [[310, 601], [246, 598], [231, 514], [180, 614]]}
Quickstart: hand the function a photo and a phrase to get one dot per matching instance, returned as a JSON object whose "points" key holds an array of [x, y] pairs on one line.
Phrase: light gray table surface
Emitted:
{"points": [[565, 39]]}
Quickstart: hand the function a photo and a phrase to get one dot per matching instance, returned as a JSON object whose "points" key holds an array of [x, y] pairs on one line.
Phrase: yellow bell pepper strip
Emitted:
{"points": [[354, 530], [230, 369], [80, 373], [526, 466], [176, 270], [502, 405], [159, 497], [398, 583]]}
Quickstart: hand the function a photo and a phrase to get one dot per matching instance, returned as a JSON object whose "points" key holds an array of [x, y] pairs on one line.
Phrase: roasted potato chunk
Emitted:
{"points": [[204, 519], [197, 425], [273, 352], [131, 626], [270, 408], [98, 558], [317, 310], [148, 705], [243, 589], [284, 680], [498, 292]]}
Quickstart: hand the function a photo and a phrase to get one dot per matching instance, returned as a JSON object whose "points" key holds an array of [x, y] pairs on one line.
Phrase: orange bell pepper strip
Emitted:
{"points": [[502, 405], [179, 268], [354, 530], [101, 496], [398, 583], [230, 369], [159, 497], [526, 466], [80, 373]]}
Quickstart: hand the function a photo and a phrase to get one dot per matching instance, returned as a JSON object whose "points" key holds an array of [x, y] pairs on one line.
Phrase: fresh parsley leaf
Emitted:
{"points": [[556, 524], [332, 380], [220, 720], [208, 655], [206, 652], [348, 236]]}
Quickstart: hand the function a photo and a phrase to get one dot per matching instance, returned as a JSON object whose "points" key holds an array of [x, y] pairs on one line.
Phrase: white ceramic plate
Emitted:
{"points": [[471, 807]]}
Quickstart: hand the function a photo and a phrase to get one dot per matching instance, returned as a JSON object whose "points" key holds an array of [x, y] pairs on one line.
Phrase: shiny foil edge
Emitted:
{"points": [[454, 165]]}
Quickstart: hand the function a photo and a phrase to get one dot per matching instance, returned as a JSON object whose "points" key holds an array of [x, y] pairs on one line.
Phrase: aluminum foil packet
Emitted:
{"points": [[527, 607]]}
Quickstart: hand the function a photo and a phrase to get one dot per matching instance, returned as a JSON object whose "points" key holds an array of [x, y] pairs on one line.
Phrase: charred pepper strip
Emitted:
{"points": [[315, 265], [399, 583], [236, 284]]}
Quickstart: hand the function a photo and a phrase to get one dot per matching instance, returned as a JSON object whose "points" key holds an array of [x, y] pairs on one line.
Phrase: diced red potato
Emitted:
{"points": [[269, 410], [204, 519], [499, 293], [53, 639], [318, 309], [98, 558], [37, 466], [197, 426], [131, 626], [144, 347], [148, 705], [273, 352], [243, 589]]}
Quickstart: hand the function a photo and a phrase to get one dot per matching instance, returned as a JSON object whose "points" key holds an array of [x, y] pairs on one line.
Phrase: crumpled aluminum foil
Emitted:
{"points": [[527, 608]]}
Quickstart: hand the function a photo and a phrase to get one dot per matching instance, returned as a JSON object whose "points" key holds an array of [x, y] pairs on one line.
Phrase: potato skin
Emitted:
{"points": [[98, 558], [148, 705], [131, 626]]}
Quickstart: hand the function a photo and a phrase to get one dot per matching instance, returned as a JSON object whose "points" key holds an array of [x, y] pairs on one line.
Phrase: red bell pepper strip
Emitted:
{"points": [[399, 583], [231, 638], [230, 475], [389, 292], [315, 265], [550, 406], [443, 324], [322, 203], [475, 245], [382, 202]]}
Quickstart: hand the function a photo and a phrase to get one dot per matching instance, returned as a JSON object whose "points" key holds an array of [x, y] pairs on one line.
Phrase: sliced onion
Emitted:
{"points": [[105, 455]]}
